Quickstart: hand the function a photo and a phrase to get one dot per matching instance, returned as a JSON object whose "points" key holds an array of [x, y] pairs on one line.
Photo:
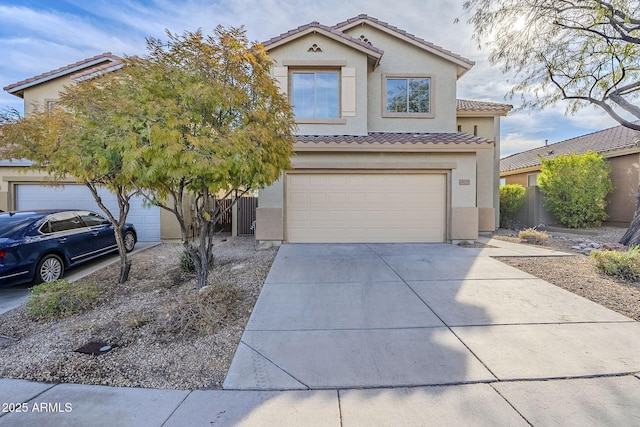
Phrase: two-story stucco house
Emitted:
{"points": [[385, 152], [381, 153]]}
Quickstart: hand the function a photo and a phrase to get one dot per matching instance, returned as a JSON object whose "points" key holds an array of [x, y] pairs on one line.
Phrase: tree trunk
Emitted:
{"points": [[125, 263], [124, 271], [632, 236], [202, 253]]}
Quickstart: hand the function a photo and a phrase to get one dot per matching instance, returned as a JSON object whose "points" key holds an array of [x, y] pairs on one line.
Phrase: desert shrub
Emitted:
{"points": [[511, 198], [575, 188], [201, 313], [625, 264], [186, 262], [533, 236], [60, 298]]}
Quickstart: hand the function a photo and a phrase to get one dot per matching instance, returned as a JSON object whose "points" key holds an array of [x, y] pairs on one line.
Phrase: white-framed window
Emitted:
{"points": [[315, 94], [406, 96], [532, 180]]}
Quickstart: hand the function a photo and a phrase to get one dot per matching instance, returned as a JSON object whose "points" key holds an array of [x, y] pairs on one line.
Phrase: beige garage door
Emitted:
{"points": [[368, 207]]}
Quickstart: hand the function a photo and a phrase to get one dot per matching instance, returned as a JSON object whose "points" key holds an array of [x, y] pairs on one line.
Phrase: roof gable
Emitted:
{"points": [[71, 69], [463, 64], [605, 142], [334, 34], [337, 32]]}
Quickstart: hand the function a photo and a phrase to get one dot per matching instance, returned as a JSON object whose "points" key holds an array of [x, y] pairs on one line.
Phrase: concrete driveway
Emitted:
{"points": [[403, 315], [14, 296]]}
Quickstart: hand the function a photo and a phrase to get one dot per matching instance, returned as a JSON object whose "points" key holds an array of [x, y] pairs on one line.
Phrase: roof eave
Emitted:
{"points": [[376, 56], [481, 113], [19, 90]]}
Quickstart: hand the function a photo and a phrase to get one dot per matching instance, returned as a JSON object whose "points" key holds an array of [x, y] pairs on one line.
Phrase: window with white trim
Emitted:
{"points": [[315, 94], [407, 96]]}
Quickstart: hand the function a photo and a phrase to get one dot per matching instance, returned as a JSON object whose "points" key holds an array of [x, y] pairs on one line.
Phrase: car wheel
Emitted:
{"points": [[129, 241], [49, 268]]}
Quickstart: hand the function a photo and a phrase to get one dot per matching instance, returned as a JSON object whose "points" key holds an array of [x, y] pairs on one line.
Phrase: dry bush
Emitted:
{"points": [[201, 313], [625, 264], [533, 236]]}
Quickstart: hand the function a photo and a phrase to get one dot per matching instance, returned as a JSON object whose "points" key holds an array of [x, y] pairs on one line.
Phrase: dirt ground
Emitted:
{"points": [[161, 339]]}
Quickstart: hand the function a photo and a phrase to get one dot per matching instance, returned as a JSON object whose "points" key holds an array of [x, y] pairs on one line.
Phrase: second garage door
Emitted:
{"points": [[365, 207], [74, 196]]}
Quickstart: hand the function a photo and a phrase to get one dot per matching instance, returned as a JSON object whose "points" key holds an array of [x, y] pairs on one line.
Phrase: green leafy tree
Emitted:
{"points": [[511, 198], [211, 121], [76, 138], [575, 188], [582, 52]]}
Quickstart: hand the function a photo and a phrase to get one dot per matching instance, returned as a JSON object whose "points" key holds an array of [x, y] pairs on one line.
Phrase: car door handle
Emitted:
{"points": [[62, 239], [95, 233]]}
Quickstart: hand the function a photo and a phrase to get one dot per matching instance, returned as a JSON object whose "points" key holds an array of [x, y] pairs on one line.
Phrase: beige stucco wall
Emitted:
{"points": [[465, 218], [332, 55], [485, 126], [36, 97], [625, 173], [402, 58], [520, 178]]}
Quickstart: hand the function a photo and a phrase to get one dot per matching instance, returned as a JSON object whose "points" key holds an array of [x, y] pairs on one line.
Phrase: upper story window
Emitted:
{"points": [[315, 94], [407, 96]]}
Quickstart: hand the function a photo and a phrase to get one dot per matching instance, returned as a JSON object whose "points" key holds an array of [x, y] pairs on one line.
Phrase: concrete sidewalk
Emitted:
{"points": [[404, 334]]}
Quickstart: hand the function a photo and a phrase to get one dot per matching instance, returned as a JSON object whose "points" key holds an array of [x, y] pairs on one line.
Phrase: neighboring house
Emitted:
{"points": [[619, 145], [384, 150], [22, 189]]}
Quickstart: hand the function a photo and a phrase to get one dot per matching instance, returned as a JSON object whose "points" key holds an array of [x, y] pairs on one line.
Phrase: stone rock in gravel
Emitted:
{"points": [[614, 247], [264, 245]]}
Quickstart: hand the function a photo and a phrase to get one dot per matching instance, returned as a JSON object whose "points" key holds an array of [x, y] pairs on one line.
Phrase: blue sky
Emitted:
{"points": [[41, 35]]}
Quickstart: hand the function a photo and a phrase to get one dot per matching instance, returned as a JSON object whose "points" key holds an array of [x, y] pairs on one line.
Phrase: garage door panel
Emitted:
{"points": [[74, 196], [366, 207]]}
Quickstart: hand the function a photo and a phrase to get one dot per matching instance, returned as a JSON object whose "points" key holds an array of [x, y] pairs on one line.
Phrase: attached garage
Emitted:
{"points": [[74, 196], [365, 207]]}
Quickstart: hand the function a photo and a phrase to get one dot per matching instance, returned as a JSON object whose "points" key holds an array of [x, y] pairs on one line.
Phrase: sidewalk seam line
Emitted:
{"points": [[436, 314], [274, 364]]}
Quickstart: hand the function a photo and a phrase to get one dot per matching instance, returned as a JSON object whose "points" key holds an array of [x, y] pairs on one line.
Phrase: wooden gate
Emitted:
{"points": [[224, 223]]}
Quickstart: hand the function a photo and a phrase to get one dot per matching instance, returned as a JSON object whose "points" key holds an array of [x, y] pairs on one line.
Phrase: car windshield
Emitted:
{"points": [[11, 224]]}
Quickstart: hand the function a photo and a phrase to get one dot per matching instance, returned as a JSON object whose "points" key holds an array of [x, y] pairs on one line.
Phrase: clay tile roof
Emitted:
{"points": [[413, 37], [40, 78], [604, 141], [469, 105], [301, 29], [394, 138], [95, 71]]}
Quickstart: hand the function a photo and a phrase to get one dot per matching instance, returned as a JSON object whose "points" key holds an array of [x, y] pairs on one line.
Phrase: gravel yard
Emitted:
{"points": [[134, 319], [578, 273], [138, 319]]}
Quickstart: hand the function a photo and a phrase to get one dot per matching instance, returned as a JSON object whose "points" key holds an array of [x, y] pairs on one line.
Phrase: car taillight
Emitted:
{"points": [[2, 253]]}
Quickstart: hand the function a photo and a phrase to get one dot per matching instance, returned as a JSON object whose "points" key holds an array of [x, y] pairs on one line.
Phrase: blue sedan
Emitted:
{"points": [[39, 246]]}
